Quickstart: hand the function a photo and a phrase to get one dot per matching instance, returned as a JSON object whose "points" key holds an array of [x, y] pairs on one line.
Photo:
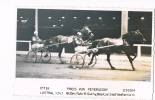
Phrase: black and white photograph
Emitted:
{"points": [[84, 44], [77, 49]]}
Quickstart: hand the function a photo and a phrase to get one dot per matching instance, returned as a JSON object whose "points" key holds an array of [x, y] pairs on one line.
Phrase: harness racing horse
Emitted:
{"points": [[73, 40], [121, 45]]}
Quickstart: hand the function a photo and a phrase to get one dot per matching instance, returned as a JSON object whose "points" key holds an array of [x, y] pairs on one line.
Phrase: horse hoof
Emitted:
{"points": [[62, 62], [133, 69], [89, 63], [113, 68], [73, 67]]}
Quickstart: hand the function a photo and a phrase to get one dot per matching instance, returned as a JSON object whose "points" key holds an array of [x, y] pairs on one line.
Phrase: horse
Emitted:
{"points": [[61, 41], [87, 34], [123, 45]]}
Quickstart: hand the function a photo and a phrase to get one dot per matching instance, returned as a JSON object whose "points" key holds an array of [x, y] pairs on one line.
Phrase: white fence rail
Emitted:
{"points": [[139, 46], [139, 53], [23, 41]]}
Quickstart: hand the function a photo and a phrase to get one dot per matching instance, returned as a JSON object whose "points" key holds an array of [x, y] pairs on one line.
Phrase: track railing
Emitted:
{"points": [[23, 41], [137, 45], [139, 48]]}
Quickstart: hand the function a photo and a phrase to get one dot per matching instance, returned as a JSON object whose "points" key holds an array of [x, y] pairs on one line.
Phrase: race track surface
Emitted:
{"points": [[101, 71]]}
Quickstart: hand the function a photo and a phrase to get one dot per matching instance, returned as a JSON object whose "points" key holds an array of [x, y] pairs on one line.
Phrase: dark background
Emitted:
{"points": [[102, 23]]}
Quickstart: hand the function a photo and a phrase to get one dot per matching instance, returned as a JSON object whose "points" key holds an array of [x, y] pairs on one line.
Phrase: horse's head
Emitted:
{"points": [[134, 37], [87, 34]]}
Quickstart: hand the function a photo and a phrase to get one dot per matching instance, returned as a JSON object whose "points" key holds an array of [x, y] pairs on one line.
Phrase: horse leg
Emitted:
{"points": [[108, 59], [60, 48], [135, 55], [91, 61], [131, 52], [59, 54], [130, 60]]}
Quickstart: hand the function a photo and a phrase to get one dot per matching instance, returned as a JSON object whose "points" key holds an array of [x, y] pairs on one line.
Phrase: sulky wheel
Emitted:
{"points": [[87, 59], [45, 56], [77, 61], [31, 56]]}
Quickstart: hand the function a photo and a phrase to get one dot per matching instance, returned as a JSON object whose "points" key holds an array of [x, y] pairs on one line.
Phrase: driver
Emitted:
{"points": [[35, 38], [36, 41]]}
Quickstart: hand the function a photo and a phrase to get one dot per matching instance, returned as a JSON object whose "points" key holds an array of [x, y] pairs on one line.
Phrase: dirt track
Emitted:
{"points": [[101, 71]]}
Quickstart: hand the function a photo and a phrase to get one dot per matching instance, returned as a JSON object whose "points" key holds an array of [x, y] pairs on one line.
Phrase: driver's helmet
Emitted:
{"points": [[79, 34], [35, 33]]}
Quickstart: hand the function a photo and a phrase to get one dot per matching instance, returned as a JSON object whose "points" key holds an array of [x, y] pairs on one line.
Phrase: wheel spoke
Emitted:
{"points": [[77, 61], [31, 56], [45, 56]]}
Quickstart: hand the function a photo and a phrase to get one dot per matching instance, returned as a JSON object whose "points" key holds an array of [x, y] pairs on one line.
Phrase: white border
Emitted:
{"points": [[67, 4]]}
